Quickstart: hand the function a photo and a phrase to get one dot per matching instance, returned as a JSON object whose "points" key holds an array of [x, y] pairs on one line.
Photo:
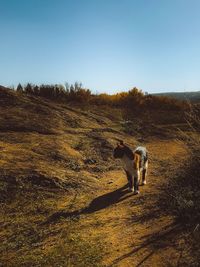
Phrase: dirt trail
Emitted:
{"points": [[133, 230], [135, 233]]}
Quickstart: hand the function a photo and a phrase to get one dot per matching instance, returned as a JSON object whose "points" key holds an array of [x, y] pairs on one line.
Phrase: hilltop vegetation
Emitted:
{"points": [[134, 98], [149, 109]]}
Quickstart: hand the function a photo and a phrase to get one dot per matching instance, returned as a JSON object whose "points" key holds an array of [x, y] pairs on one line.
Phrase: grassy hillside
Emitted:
{"points": [[60, 186], [48, 143], [50, 151]]}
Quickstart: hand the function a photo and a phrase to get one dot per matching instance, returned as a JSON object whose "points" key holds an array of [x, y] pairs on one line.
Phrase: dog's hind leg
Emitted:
{"points": [[144, 173]]}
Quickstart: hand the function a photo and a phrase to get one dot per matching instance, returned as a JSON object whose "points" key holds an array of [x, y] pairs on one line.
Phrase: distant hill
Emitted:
{"points": [[192, 96]]}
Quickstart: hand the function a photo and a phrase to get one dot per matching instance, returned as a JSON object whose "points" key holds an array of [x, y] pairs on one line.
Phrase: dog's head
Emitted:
{"points": [[121, 150], [118, 152]]}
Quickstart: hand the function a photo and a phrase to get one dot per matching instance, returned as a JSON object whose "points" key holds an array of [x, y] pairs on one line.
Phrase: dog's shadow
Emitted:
{"points": [[97, 204], [107, 200]]}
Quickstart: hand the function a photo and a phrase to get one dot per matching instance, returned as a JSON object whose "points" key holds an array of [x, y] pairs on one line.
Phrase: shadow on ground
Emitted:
{"points": [[162, 239], [96, 204]]}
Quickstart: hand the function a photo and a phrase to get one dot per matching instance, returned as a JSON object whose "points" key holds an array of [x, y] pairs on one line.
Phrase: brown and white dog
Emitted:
{"points": [[134, 163]]}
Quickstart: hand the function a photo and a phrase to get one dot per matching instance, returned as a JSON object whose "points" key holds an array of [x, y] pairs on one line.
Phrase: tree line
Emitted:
{"points": [[134, 98], [73, 92]]}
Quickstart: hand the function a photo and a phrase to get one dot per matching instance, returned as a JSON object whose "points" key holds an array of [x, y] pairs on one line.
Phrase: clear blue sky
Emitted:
{"points": [[108, 45]]}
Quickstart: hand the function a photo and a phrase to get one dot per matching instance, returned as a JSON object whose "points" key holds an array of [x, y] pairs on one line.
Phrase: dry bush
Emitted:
{"points": [[184, 189], [79, 95], [181, 196]]}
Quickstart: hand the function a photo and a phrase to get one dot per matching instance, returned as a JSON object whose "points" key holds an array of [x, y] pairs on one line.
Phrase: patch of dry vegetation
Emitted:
{"points": [[26, 242], [181, 197]]}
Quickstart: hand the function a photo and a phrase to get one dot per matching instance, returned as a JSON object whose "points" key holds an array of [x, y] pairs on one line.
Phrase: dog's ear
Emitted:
{"points": [[121, 142]]}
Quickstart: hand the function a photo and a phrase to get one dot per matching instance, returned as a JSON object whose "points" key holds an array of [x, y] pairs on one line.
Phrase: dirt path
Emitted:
{"points": [[135, 233], [133, 229]]}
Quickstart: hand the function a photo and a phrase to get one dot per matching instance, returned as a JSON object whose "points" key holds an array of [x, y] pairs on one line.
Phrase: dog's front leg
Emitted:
{"points": [[130, 179], [136, 182]]}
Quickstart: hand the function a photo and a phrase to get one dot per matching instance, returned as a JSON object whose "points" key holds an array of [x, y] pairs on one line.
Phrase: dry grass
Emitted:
{"points": [[25, 242], [53, 157], [49, 152], [181, 196]]}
